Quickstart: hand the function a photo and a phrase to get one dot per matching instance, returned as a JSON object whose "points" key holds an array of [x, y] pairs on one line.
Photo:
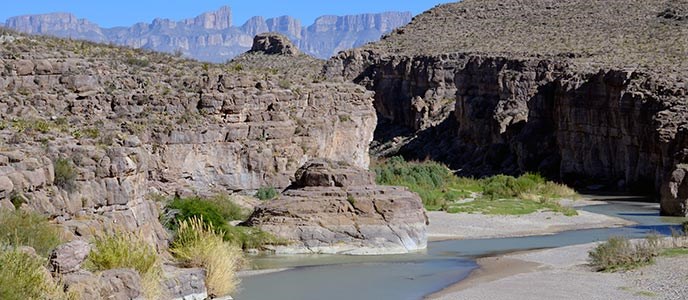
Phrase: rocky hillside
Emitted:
{"points": [[212, 37], [591, 92], [90, 131]]}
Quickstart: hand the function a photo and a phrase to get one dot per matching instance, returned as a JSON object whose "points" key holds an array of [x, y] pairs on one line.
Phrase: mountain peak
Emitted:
{"points": [[215, 20]]}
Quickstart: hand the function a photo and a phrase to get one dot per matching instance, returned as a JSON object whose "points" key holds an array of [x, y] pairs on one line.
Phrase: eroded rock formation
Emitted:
{"points": [[336, 208]]}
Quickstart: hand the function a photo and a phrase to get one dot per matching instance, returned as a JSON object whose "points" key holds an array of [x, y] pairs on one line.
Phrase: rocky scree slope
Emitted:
{"points": [[90, 131], [591, 92], [212, 36], [333, 207]]}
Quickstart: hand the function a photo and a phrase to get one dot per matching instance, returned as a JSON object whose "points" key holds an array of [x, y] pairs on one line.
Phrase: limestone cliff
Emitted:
{"points": [[90, 131], [591, 92]]}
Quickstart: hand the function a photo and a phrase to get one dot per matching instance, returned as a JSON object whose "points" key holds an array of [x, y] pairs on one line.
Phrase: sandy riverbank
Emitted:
{"points": [[444, 226], [563, 273]]}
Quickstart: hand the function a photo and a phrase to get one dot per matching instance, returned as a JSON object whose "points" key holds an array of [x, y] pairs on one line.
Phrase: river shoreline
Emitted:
{"points": [[444, 226], [562, 273]]}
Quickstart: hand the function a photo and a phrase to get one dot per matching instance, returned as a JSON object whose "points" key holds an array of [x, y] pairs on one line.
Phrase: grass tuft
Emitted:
{"points": [[199, 244], [122, 250], [23, 276]]}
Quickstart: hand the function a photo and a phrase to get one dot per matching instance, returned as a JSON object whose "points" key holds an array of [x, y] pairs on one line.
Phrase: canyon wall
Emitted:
{"points": [[90, 132]]}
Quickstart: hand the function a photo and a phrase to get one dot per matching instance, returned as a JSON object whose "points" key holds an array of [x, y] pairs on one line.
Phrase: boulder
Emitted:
{"points": [[68, 257], [121, 284], [273, 43], [674, 193], [184, 284], [336, 208]]}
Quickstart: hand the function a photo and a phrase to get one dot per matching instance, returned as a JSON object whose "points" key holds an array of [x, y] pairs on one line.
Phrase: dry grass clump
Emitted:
{"points": [[126, 250], [198, 244], [24, 276], [618, 253]]}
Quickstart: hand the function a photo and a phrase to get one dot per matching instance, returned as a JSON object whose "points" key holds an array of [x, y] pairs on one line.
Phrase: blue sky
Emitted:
{"points": [[109, 13]]}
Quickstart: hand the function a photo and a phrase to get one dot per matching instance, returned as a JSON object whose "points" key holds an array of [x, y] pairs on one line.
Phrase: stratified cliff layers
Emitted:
{"points": [[90, 131], [592, 92]]}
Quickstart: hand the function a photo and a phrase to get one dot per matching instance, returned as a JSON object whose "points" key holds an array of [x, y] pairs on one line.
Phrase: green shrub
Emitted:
{"points": [[267, 193], [23, 276], [439, 189], [122, 250], [20, 228], [433, 182], [199, 244], [216, 212], [65, 174], [618, 253]]}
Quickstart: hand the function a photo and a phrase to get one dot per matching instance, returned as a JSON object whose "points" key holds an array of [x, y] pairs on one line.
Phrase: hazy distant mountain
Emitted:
{"points": [[211, 35]]}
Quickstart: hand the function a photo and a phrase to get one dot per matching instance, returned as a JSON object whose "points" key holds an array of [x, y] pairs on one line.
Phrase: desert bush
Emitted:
{"points": [[268, 193], [618, 253], [432, 181], [216, 210], [65, 174], [199, 244], [21, 228], [121, 250], [23, 276]]}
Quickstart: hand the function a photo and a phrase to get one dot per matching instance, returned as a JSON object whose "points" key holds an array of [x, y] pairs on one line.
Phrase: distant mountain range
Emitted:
{"points": [[211, 35]]}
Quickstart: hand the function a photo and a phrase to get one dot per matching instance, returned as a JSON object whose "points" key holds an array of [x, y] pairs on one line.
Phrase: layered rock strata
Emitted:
{"points": [[336, 208], [90, 131]]}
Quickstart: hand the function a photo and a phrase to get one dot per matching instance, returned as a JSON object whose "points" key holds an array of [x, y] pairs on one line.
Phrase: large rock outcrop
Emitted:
{"points": [[273, 44], [335, 208], [211, 35], [512, 86]]}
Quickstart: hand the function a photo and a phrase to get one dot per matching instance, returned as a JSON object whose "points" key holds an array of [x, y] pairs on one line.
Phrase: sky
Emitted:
{"points": [[109, 13]]}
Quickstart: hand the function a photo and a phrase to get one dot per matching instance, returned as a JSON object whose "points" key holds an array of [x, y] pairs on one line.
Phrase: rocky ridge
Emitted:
{"points": [[333, 207], [211, 35], [590, 92]]}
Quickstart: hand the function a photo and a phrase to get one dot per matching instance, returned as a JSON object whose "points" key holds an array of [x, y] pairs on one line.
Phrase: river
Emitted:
{"points": [[413, 276]]}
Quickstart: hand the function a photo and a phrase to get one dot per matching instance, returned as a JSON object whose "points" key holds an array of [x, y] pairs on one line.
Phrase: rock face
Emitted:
{"points": [[336, 208], [211, 36], [273, 44], [89, 136], [455, 86]]}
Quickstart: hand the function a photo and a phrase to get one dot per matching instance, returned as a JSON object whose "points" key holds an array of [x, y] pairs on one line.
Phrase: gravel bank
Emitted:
{"points": [[562, 273]]}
